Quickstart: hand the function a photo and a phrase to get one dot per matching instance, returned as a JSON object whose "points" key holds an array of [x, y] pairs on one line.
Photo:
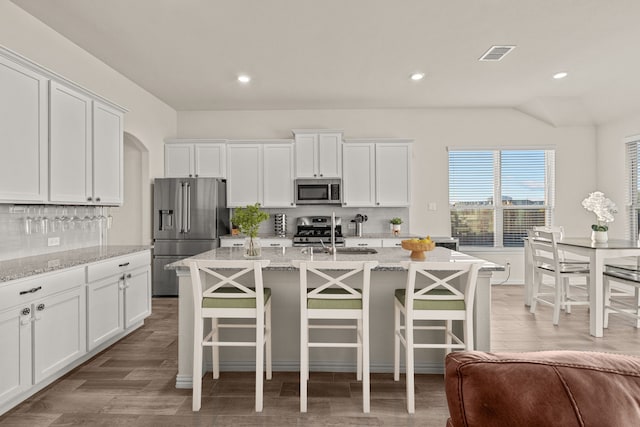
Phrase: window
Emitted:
{"points": [[633, 187], [522, 180]]}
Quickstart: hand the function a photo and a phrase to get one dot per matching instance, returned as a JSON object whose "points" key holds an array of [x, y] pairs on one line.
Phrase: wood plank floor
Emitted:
{"points": [[132, 382]]}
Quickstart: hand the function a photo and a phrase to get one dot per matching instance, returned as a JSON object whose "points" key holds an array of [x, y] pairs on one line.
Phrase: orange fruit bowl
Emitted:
{"points": [[417, 248]]}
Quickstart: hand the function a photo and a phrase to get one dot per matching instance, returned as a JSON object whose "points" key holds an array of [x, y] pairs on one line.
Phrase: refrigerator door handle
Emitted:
{"points": [[188, 207], [182, 208]]}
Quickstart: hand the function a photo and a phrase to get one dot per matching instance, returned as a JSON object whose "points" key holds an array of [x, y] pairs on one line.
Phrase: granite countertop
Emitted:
{"points": [[29, 266], [389, 259]]}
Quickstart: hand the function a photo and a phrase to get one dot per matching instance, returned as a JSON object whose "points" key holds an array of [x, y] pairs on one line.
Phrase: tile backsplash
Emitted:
{"points": [[28, 230]]}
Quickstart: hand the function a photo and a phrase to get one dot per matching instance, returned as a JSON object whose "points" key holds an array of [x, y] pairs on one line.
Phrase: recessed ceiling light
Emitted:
{"points": [[417, 76], [243, 78], [560, 75]]}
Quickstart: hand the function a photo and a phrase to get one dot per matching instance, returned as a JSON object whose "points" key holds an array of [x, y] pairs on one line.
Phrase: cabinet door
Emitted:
{"points": [[178, 160], [15, 357], [244, 174], [23, 134], [330, 155], [105, 310], [278, 175], [137, 296], [358, 176], [393, 174], [69, 147], [107, 154], [59, 332], [306, 155], [210, 160]]}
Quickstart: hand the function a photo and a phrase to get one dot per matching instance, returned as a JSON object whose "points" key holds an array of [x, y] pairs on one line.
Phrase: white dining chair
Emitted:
{"points": [[433, 293], [328, 293], [621, 300], [236, 291], [547, 262]]}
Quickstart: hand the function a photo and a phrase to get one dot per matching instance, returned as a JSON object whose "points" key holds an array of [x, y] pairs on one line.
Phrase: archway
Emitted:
{"points": [[132, 220]]}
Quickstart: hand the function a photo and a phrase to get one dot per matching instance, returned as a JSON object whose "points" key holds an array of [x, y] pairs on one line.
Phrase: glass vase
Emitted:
{"points": [[252, 248]]}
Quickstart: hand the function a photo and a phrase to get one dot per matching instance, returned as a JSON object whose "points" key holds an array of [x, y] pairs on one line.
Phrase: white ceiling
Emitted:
{"points": [[314, 54]]}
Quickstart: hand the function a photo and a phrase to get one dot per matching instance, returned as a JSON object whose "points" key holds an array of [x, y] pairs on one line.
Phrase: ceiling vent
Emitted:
{"points": [[496, 53]]}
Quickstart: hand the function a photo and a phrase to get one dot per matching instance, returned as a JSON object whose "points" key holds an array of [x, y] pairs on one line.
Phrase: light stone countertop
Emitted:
{"points": [[29, 266], [389, 259]]}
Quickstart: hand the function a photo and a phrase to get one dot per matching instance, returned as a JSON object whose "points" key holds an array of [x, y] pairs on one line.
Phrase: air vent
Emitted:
{"points": [[496, 53]]}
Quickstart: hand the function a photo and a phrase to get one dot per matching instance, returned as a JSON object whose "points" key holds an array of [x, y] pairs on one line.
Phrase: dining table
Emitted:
{"points": [[598, 255]]}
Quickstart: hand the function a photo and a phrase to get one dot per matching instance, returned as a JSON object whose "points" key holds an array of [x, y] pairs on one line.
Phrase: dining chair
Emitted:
{"points": [[623, 300], [547, 261], [434, 291], [236, 292], [328, 293]]}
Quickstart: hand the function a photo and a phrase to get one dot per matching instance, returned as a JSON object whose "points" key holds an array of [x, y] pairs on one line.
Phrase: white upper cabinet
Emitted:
{"points": [[376, 173], [107, 154], [205, 159], [60, 142], [23, 134], [278, 175], [260, 172], [70, 156], [244, 174], [318, 153]]}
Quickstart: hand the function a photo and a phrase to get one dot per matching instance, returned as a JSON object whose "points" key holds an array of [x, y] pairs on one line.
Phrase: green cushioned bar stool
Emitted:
{"points": [[435, 291], [235, 290], [334, 297]]}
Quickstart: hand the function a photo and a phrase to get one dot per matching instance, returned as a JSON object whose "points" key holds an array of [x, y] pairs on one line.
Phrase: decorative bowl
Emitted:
{"points": [[417, 248]]}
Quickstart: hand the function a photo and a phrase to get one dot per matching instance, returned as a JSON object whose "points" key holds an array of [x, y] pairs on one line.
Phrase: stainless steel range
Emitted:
{"points": [[316, 230]]}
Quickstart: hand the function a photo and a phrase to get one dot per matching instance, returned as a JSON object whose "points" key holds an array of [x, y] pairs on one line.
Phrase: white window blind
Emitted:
{"points": [[522, 181], [633, 187]]}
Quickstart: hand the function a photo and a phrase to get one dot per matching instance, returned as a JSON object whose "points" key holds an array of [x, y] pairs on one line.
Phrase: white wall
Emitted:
{"points": [[432, 130], [149, 119], [611, 167]]}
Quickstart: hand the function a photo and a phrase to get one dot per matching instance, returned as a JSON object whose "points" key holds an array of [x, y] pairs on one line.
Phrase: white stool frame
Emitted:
{"points": [[404, 334], [360, 315], [615, 302], [262, 313]]}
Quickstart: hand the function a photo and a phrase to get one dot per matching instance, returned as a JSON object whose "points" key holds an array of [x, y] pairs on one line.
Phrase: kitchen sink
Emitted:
{"points": [[356, 251]]}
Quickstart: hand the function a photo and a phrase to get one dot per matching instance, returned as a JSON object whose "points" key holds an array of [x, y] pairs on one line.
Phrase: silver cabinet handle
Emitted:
{"points": [[26, 311], [97, 199], [89, 199], [124, 264], [40, 307], [129, 276], [274, 244]]}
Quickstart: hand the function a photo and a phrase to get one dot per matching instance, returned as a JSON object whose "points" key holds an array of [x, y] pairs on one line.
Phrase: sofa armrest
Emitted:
{"points": [[553, 388]]}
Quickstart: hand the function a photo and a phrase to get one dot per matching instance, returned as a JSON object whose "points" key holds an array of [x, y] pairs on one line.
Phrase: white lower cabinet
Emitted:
{"points": [[51, 322], [362, 242], [118, 296], [392, 243]]}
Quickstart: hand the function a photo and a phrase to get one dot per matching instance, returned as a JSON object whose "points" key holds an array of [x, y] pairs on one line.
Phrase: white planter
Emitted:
{"points": [[599, 236], [396, 228]]}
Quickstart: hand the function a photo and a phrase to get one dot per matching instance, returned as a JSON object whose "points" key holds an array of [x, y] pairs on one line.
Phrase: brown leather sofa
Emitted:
{"points": [[547, 388]]}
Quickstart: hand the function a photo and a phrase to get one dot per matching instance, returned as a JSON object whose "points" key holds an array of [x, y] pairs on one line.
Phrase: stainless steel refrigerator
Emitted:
{"points": [[189, 216]]}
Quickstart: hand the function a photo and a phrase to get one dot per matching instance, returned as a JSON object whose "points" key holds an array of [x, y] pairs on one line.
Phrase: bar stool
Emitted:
{"points": [[335, 299], [227, 298], [436, 299]]}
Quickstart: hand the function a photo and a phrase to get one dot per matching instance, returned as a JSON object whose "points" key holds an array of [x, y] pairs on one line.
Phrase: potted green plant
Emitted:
{"points": [[248, 220], [396, 225]]}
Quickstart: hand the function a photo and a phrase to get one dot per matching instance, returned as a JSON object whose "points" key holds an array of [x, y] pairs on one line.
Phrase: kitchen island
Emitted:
{"points": [[283, 279]]}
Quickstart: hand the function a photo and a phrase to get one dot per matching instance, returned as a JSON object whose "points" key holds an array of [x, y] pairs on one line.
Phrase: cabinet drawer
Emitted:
{"points": [[276, 243], [231, 243], [23, 291], [113, 266], [362, 243], [391, 243]]}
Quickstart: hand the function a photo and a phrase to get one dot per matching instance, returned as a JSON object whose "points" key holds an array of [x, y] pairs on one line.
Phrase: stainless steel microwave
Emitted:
{"points": [[318, 191]]}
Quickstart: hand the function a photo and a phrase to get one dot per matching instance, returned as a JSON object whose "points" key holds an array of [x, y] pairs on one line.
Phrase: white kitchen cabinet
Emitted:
{"points": [[318, 153], [23, 134], [118, 296], [59, 334], [358, 242], [205, 159], [376, 173], [70, 156], [244, 173], [15, 357], [358, 175], [278, 176], [260, 172], [107, 151]]}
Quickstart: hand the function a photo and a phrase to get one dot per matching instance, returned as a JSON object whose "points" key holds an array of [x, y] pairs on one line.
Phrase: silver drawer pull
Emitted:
{"points": [[363, 244], [274, 244], [124, 264], [26, 311], [40, 307], [237, 245], [129, 276], [31, 291]]}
